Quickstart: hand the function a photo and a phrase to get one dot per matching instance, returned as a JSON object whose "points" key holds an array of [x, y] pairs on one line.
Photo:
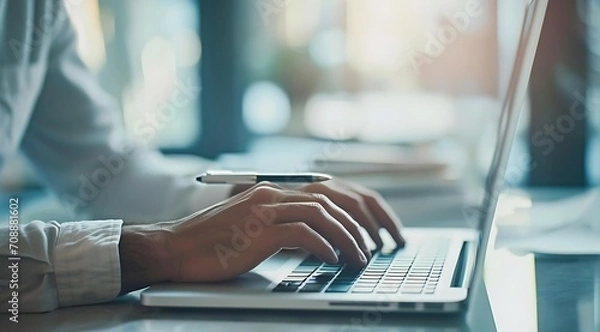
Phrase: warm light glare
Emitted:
{"points": [[301, 20], [188, 48], [509, 277], [379, 33], [329, 116], [158, 65], [85, 16], [405, 117], [381, 116]]}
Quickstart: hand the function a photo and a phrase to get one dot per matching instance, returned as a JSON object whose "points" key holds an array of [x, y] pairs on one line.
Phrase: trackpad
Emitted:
{"points": [[266, 273]]}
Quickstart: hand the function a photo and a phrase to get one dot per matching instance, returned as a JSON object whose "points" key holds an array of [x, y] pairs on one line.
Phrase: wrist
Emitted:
{"points": [[144, 256]]}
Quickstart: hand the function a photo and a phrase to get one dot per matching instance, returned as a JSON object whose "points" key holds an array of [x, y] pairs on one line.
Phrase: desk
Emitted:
{"points": [[526, 293]]}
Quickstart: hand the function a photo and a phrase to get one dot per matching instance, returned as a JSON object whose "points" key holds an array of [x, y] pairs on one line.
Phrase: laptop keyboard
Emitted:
{"points": [[399, 271]]}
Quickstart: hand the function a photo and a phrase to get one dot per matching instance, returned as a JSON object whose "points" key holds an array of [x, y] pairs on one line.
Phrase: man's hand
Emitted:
{"points": [[234, 236], [364, 205]]}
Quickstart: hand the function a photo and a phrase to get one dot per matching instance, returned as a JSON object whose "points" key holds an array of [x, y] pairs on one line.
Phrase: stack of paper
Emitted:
{"points": [[569, 226]]}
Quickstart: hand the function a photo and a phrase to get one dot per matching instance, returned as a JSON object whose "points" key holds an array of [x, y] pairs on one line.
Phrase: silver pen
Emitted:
{"points": [[229, 177]]}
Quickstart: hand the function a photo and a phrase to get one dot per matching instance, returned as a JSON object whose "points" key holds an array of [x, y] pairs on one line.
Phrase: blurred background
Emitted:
{"points": [[350, 87]]}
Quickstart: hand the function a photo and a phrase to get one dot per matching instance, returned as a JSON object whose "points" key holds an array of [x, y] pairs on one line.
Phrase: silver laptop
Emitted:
{"points": [[434, 272]]}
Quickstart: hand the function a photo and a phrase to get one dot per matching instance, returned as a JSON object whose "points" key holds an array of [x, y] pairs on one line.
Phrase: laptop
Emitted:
{"points": [[435, 272]]}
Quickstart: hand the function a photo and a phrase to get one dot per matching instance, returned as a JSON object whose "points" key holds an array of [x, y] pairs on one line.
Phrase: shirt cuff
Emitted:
{"points": [[86, 261]]}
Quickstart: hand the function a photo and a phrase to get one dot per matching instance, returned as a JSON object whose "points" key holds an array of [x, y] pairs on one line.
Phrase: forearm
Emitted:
{"points": [[148, 189], [144, 256]]}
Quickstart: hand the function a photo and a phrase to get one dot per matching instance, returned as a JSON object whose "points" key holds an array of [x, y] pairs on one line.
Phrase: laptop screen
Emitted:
{"points": [[514, 91]]}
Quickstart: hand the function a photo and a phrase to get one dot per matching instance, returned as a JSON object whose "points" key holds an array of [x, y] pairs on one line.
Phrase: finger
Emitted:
{"points": [[295, 234], [261, 193], [316, 216], [354, 204], [336, 211], [387, 217], [301, 235], [382, 211]]}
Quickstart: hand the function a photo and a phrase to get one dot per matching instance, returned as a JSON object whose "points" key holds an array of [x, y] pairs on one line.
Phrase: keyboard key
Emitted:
{"points": [[422, 278], [417, 274], [367, 282], [338, 289], [411, 290], [324, 275], [312, 288], [304, 269], [387, 291], [343, 281], [299, 279], [394, 276], [287, 287], [369, 277], [374, 271]]}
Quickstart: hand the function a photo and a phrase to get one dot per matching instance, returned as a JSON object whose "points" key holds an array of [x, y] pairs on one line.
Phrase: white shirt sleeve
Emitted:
{"points": [[61, 265], [77, 146]]}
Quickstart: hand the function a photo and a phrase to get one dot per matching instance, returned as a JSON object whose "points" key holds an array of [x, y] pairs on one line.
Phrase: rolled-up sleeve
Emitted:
{"points": [[65, 264], [77, 146]]}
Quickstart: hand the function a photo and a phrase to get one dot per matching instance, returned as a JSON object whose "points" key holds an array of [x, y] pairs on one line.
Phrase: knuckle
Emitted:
{"points": [[264, 192], [370, 199], [373, 195], [354, 225], [316, 208], [356, 199], [320, 197]]}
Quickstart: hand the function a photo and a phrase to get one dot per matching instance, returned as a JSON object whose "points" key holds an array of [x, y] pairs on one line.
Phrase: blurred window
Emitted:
{"points": [[380, 71], [147, 54]]}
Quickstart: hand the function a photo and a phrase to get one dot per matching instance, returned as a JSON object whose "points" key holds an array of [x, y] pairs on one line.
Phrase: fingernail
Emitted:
{"points": [[363, 258], [334, 259]]}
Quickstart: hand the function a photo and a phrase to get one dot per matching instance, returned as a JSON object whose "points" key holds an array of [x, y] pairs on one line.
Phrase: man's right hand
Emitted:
{"points": [[233, 237]]}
